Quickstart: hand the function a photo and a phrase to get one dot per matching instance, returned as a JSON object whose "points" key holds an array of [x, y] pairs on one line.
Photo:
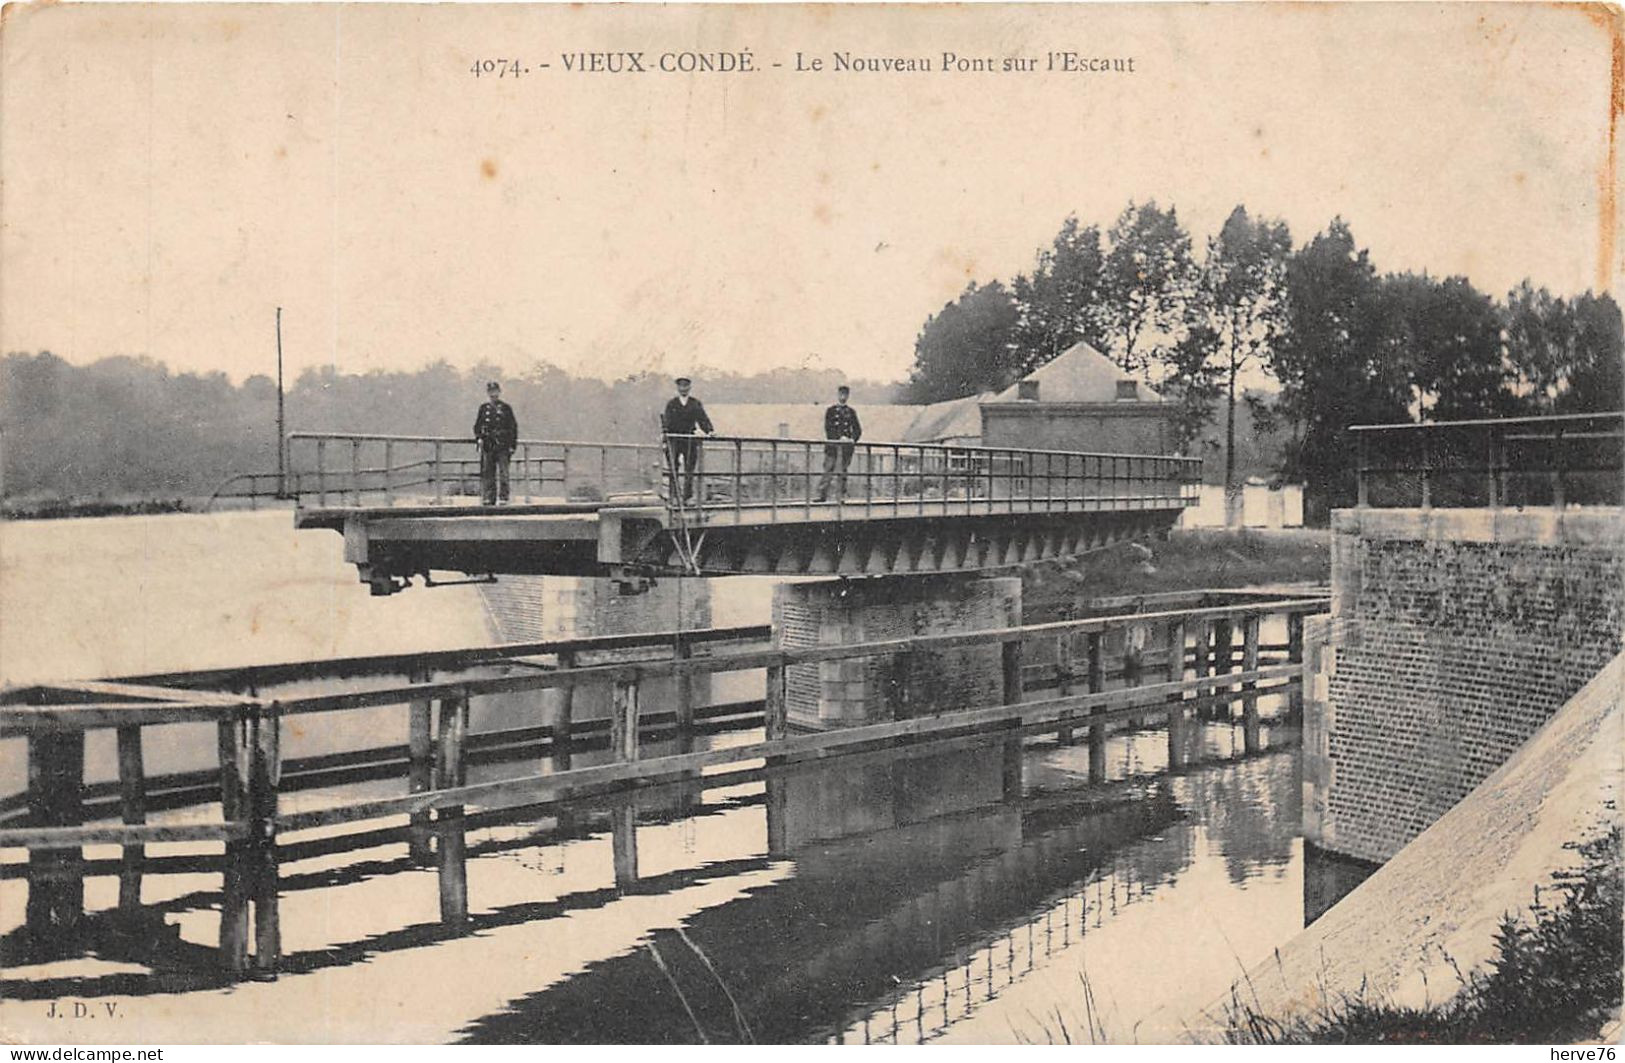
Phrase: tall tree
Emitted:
{"points": [[1565, 355], [1595, 378], [1454, 334], [1060, 303], [1236, 313], [1539, 330], [966, 347], [1339, 362], [1147, 279]]}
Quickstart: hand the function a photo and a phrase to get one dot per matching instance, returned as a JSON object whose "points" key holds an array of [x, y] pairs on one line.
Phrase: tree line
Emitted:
{"points": [[128, 428], [1332, 342]]}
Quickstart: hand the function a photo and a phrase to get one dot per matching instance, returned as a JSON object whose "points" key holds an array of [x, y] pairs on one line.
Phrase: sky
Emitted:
{"points": [[173, 173]]}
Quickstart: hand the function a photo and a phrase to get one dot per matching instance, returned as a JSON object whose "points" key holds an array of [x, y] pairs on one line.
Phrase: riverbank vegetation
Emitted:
{"points": [[63, 508], [1267, 351], [1200, 559], [1325, 340], [130, 429], [1554, 978]]}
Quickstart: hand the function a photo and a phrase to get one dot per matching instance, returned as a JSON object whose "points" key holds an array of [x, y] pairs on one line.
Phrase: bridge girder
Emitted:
{"points": [[888, 548]]}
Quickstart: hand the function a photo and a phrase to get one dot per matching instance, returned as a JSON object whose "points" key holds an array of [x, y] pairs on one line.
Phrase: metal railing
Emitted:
{"points": [[1574, 459], [924, 479], [736, 472], [349, 469], [248, 486]]}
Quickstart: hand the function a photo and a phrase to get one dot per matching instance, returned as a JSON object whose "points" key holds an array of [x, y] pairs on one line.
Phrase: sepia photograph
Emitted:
{"points": [[810, 524]]}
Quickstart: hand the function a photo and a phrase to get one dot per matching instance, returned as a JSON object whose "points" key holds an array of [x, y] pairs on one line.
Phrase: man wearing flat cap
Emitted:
{"points": [[683, 416], [497, 433]]}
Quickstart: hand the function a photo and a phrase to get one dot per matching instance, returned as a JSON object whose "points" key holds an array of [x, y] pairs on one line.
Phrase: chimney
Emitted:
{"points": [[1128, 390], [1027, 390]]}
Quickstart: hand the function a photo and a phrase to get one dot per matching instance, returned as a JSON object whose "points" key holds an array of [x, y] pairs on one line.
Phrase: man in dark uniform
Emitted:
{"points": [[497, 433], [682, 416], [840, 423]]}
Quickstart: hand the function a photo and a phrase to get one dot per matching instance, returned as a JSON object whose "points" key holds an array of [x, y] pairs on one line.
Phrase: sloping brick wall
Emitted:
{"points": [[1454, 636]]}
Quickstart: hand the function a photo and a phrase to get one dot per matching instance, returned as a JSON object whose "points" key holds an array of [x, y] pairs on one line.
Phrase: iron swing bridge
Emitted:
{"points": [[408, 506]]}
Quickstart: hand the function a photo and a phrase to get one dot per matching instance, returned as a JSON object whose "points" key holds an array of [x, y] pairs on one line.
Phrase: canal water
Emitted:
{"points": [[938, 892]]}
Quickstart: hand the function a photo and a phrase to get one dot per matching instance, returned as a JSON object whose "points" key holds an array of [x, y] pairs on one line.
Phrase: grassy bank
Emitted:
{"points": [[1191, 560], [1554, 978], [63, 508]]}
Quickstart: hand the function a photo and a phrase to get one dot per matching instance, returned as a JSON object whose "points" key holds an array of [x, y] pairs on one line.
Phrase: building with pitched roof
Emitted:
{"points": [[1080, 400]]}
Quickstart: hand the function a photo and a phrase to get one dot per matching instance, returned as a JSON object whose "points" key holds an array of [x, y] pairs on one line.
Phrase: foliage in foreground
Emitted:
{"points": [[1555, 978]]}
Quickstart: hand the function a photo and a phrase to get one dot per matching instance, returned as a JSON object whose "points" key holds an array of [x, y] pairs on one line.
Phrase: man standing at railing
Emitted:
{"points": [[683, 414], [497, 433], [841, 424]]}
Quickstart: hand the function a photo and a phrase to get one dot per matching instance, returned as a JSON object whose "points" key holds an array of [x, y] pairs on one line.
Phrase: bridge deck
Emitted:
{"points": [[404, 507], [524, 519]]}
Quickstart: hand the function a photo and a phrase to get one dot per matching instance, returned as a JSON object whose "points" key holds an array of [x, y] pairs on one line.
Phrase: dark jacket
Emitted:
{"points": [[681, 419], [495, 427], [842, 421]]}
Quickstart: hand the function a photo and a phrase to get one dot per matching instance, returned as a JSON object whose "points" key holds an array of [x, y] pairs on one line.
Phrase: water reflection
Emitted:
{"points": [[920, 887], [950, 890]]}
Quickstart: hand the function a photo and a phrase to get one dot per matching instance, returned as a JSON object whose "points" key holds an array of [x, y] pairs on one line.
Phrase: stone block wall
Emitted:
{"points": [[545, 608], [539, 608], [865, 690], [1454, 635]]}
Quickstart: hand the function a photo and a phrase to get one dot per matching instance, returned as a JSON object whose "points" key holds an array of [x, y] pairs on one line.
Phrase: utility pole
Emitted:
{"points": [[281, 425]]}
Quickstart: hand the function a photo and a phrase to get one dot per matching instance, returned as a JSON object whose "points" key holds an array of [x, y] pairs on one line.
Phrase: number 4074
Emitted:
{"points": [[501, 68]]}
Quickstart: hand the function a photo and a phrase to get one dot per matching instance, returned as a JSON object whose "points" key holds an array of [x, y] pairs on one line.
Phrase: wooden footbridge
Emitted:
{"points": [[1058, 681], [407, 506]]}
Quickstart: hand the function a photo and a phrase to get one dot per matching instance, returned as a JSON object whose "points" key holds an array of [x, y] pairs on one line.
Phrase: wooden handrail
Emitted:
{"points": [[24, 719], [1145, 700], [251, 763]]}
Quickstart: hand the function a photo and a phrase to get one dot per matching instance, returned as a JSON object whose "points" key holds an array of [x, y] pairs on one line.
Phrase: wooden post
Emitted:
{"points": [[1097, 732], [775, 708], [420, 770], [1134, 663], [233, 736], [132, 794], [685, 689], [778, 810], [564, 721], [1200, 630], [1294, 655], [1224, 652], [56, 883], [450, 772], [1249, 699], [1010, 660], [1063, 657], [265, 777], [624, 720], [1013, 747], [1176, 700], [623, 836]]}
